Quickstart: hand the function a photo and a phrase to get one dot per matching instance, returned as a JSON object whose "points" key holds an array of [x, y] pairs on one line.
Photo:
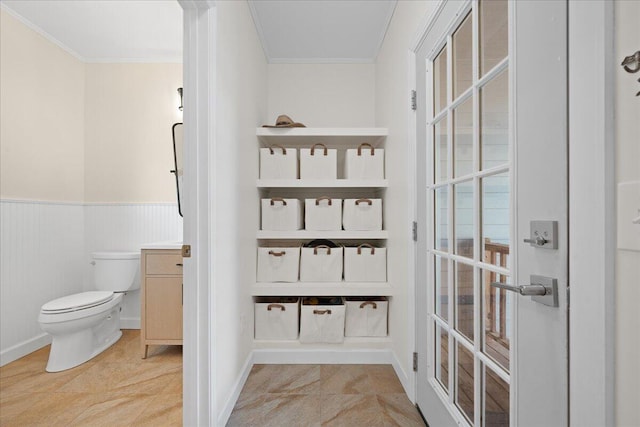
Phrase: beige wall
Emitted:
{"points": [[71, 131], [392, 101], [627, 395], [130, 109], [323, 95], [41, 117]]}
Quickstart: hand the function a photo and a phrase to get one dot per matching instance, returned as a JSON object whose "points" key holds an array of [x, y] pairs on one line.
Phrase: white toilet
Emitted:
{"points": [[84, 325]]}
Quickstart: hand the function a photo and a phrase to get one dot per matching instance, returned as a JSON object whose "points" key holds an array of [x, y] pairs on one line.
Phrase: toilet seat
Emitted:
{"points": [[77, 302]]}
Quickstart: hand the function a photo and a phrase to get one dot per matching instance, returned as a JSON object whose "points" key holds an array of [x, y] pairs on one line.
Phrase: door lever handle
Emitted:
{"points": [[527, 290], [541, 289]]}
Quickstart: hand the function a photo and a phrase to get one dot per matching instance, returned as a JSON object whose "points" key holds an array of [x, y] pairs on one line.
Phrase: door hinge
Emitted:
{"points": [[186, 251], [415, 361], [414, 100], [414, 231]]}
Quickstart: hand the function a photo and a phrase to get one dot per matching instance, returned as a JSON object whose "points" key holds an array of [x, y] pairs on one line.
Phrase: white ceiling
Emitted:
{"points": [[107, 31], [318, 31], [322, 31]]}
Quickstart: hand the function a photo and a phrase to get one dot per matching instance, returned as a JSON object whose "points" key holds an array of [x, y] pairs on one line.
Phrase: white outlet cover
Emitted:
{"points": [[628, 210]]}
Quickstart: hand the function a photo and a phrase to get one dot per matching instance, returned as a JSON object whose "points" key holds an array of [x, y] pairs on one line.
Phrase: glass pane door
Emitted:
{"points": [[470, 216]]}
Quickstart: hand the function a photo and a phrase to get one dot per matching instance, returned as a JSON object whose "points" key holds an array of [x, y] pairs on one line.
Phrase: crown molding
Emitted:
{"points": [[41, 32], [321, 60]]}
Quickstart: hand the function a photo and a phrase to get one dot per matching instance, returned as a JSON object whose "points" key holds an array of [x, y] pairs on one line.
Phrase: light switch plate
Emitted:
{"points": [[628, 210]]}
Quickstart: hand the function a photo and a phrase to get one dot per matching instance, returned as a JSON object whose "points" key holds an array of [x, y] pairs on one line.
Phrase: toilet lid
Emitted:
{"points": [[77, 301]]}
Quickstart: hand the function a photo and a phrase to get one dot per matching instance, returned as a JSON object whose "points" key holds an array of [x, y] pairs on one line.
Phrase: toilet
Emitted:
{"points": [[84, 325]]}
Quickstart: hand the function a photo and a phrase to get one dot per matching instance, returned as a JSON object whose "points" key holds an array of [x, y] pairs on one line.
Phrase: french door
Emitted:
{"points": [[491, 172]]}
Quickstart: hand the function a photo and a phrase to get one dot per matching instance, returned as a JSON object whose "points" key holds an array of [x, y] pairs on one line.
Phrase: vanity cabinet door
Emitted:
{"points": [[161, 298], [163, 301]]}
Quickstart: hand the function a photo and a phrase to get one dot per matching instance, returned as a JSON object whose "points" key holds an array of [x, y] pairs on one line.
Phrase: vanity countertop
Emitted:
{"points": [[162, 245]]}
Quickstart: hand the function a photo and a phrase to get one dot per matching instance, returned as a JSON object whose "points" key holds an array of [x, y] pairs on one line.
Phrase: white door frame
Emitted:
{"points": [[592, 207], [199, 120], [591, 213]]}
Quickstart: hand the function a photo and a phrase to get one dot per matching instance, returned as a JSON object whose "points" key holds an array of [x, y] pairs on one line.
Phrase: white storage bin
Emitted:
{"points": [[323, 214], [362, 214], [364, 163], [322, 320], [277, 162], [280, 214], [365, 264], [321, 264], [278, 264], [276, 318], [366, 317], [318, 163]]}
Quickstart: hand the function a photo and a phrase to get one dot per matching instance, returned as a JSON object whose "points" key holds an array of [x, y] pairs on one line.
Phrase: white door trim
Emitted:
{"points": [[199, 121], [591, 213]]}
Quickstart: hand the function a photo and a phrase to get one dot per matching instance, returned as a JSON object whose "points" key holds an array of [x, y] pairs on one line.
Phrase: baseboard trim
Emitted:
{"points": [[22, 349], [405, 380], [322, 357], [235, 393], [129, 323]]}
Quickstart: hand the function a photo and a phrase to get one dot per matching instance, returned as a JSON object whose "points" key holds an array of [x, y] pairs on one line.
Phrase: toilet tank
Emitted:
{"points": [[116, 271]]}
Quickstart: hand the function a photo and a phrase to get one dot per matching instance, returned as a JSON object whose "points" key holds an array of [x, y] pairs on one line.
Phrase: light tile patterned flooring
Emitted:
{"points": [[324, 395], [117, 388]]}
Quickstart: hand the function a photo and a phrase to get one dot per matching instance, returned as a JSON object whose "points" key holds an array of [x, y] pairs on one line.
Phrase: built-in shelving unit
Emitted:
{"points": [[331, 137], [341, 139], [310, 235], [351, 343], [322, 183], [322, 289]]}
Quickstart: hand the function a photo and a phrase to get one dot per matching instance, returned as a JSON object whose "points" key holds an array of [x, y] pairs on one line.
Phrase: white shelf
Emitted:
{"points": [[322, 289], [328, 136], [322, 183], [349, 343], [309, 234]]}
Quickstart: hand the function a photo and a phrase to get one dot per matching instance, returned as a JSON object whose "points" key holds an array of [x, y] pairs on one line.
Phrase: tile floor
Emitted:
{"points": [[117, 388], [323, 395]]}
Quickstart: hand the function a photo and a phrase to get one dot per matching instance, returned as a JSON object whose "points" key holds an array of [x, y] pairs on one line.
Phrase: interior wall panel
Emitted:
{"points": [[46, 254], [125, 227], [41, 259]]}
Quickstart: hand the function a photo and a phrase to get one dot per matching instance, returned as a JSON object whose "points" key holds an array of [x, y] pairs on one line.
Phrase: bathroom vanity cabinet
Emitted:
{"points": [[161, 298]]}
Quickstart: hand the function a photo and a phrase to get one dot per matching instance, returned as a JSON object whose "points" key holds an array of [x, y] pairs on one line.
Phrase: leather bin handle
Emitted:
{"points": [[280, 306], [323, 198], [321, 311], [278, 199], [365, 144], [315, 250], [271, 147], [313, 149], [371, 303], [274, 253], [367, 201], [366, 245]]}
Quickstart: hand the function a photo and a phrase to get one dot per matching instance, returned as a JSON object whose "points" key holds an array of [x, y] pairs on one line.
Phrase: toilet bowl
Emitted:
{"points": [[83, 325]]}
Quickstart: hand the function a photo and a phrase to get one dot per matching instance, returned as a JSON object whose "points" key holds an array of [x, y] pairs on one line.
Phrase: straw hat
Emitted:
{"points": [[284, 121]]}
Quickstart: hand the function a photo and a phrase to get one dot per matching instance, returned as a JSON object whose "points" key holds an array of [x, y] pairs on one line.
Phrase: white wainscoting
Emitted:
{"points": [[42, 250], [125, 227], [46, 252]]}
